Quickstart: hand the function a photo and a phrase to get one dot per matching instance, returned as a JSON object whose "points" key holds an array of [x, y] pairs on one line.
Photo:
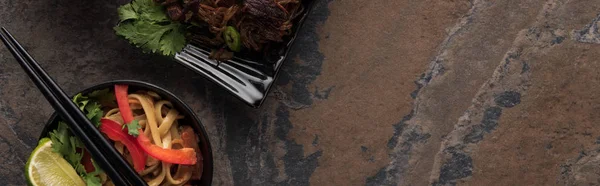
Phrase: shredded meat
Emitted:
{"points": [[259, 22]]}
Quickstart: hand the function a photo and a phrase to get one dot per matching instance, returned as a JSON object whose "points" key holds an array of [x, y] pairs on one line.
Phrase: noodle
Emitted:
{"points": [[149, 169], [179, 179], [158, 121], [174, 132], [148, 109], [165, 166], [166, 122]]}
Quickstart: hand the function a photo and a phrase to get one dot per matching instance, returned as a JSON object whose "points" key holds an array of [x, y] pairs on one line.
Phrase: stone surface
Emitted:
{"points": [[445, 92]]}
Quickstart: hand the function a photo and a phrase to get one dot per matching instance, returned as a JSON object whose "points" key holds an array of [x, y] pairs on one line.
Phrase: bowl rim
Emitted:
{"points": [[208, 164]]}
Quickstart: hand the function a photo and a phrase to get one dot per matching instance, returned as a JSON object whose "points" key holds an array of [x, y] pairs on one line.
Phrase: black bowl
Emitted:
{"points": [[191, 119]]}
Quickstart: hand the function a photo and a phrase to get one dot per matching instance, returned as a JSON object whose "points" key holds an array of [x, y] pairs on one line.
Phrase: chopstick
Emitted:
{"points": [[101, 149]]}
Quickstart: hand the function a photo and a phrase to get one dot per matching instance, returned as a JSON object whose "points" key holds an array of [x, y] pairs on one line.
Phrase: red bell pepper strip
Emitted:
{"points": [[86, 160], [184, 156], [123, 102], [115, 132]]}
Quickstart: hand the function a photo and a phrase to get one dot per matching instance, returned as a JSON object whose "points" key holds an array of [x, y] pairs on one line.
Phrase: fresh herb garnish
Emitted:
{"points": [[104, 97], [71, 148], [146, 25], [81, 101], [94, 113], [133, 128], [92, 177], [61, 143]]}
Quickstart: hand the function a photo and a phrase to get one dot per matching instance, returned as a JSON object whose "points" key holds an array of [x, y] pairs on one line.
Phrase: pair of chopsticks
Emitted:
{"points": [[102, 151]]}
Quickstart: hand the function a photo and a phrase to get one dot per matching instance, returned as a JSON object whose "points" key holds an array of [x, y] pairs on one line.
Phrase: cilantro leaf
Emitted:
{"points": [[66, 145], [80, 101], [146, 25], [149, 10], [92, 180], [94, 113], [126, 12], [132, 128], [74, 158], [92, 177], [173, 42], [104, 97], [60, 139], [97, 169], [156, 38], [69, 146], [153, 34]]}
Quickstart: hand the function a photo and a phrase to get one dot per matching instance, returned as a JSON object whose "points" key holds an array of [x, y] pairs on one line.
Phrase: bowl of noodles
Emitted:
{"points": [[157, 116]]}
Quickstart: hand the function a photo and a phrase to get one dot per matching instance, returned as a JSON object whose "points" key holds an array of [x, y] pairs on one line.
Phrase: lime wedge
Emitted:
{"points": [[46, 167]]}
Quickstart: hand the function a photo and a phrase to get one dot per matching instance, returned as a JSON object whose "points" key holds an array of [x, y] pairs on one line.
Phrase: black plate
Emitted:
{"points": [[248, 75], [204, 143]]}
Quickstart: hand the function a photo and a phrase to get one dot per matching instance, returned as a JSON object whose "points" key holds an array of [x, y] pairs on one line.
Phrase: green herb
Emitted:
{"points": [[80, 101], [64, 143], [126, 12], [104, 97], [92, 177], [92, 180], [146, 25], [61, 142], [133, 128], [75, 157], [94, 113]]}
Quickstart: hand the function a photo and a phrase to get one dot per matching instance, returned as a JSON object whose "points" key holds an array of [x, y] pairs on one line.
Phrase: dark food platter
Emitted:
{"points": [[248, 75]]}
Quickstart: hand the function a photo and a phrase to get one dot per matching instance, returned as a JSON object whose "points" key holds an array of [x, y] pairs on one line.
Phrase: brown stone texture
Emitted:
{"points": [[400, 92]]}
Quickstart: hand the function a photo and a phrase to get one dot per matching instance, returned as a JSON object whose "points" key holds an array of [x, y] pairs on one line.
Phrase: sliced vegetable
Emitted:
{"points": [[86, 160], [47, 167], [184, 156], [115, 132], [122, 101], [232, 38]]}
